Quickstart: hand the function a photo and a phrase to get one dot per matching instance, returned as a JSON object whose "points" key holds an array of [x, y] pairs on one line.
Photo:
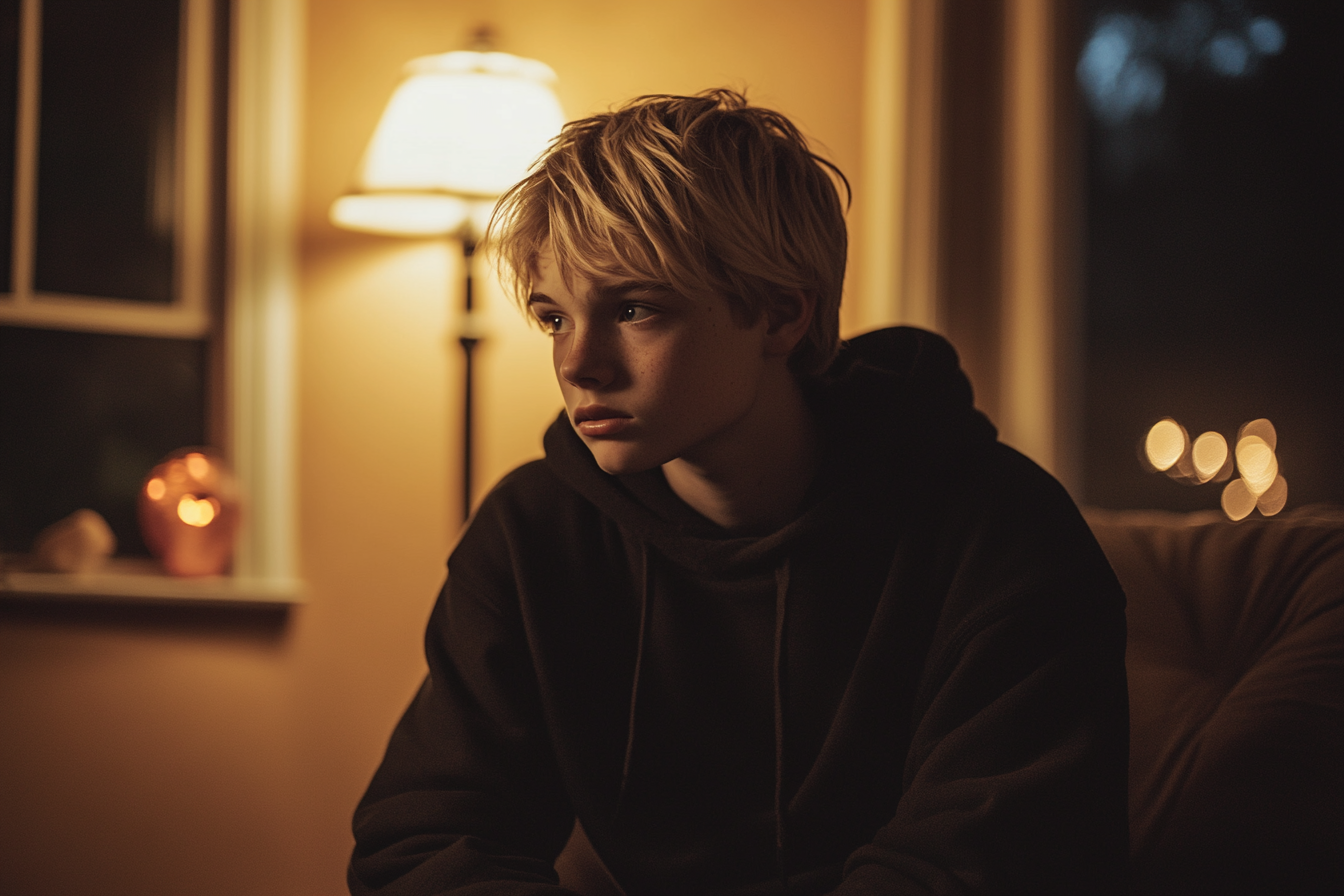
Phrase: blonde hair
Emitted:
{"points": [[704, 193]]}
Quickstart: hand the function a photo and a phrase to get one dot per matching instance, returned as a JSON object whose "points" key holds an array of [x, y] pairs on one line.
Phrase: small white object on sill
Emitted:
{"points": [[80, 543]]}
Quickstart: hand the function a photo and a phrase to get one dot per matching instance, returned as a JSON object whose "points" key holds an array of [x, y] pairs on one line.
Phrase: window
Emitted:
{"points": [[110, 109], [1213, 260], [159, 317], [109, 254]]}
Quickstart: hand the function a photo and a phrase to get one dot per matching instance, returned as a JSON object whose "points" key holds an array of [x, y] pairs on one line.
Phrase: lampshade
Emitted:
{"points": [[459, 130]]}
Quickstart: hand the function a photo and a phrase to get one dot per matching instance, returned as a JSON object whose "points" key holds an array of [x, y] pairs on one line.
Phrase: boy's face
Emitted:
{"points": [[648, 375]]}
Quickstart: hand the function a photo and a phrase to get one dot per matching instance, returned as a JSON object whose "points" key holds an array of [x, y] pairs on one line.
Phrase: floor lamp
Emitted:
{"points": [[459, 130]]}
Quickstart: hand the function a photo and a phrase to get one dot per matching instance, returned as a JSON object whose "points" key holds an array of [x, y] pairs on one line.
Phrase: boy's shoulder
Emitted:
{"points": [[531, 491], [532, 509]]}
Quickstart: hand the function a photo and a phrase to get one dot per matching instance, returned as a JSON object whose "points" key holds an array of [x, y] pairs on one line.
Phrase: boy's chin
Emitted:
{"points": [[621, 459]]}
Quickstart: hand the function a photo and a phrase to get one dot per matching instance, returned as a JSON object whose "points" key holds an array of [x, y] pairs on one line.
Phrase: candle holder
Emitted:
{"points": [[189, 513]]}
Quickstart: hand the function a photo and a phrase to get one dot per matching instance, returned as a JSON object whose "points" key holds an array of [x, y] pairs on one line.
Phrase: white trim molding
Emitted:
{"points": [[265, 112]]}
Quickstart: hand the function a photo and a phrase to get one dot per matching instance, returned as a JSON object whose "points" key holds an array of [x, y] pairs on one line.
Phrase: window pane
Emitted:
{"points": [[1215, 260], [83, 418], [106, 194]]}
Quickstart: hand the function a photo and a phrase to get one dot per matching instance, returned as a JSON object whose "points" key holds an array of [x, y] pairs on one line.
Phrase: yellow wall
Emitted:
{"points": [[153, 751]]}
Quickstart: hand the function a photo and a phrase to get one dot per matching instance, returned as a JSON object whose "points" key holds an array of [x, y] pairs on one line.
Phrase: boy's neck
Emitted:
{"points": [[756, 480]]}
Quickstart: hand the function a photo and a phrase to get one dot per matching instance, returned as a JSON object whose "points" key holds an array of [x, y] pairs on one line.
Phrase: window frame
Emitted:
{"points": [[258, 332], [188, 315]]}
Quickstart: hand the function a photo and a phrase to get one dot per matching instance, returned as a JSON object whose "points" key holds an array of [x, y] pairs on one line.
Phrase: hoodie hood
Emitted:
{"points": [[893, 402]]}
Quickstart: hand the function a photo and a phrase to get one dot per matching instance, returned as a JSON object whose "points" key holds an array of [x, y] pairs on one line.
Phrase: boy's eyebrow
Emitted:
{"points": [[623, 288], [615, 290]]}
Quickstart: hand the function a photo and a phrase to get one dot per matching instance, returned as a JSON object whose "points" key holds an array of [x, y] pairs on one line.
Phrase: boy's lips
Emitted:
{"points": [[597, 420]]}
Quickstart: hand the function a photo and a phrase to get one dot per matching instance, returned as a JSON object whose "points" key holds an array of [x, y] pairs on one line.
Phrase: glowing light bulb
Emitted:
{"points": [[1209, 453], [1165, 443]]}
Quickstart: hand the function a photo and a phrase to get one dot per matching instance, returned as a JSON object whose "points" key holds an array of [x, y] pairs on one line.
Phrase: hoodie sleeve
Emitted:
{"points": [[467, 799], [1016, 777]]}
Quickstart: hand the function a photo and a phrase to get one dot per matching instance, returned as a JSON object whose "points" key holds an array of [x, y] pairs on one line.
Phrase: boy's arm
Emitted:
{"points": [[1016, 780], [468, 794]]}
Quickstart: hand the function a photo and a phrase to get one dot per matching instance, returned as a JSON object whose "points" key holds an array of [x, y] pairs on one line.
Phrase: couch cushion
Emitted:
{"points": [[1236, 677]]}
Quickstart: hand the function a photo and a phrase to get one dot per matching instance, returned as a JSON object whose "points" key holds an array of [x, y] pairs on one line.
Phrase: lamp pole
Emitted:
{"points": [[469, 339]]}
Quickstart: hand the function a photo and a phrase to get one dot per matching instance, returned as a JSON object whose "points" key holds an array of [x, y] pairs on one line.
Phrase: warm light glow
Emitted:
{"points": [[1165, 443], [1274, 498], [1259, 485], [197, 512], [1209, 453], [197, 466], [400, 214], [1238, 502], [466, 123], [1256, 463], [1263, 429], [189, 512], [460, 126]]}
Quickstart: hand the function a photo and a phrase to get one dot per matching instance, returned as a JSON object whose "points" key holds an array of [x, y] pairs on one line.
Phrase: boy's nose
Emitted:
{"points": [[587, 362]]}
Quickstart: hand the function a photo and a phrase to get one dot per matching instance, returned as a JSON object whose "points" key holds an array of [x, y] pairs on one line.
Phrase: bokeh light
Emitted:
{"points": [[197, 465], [1266, 35], [1238, 502], [1125, 63], [156, 488], [1209, 454], [1257, 464], [1165, 443], [1258, 485], [1262, 429], [1274, 498], [198, 512]]}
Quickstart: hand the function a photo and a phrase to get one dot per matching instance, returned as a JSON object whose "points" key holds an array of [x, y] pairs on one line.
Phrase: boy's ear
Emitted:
{"points": [[787, 320]]}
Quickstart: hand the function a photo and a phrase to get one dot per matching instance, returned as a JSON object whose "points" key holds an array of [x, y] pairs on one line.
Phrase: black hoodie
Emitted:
{"points": [[917, 686]]}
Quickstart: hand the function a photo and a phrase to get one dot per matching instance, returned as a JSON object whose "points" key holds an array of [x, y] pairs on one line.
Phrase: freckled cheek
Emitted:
{"points": [[673, 375]]}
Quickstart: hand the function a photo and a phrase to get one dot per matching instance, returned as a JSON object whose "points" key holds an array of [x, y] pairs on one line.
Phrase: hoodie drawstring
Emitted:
{"points": [[645, 599], [781, 603]]}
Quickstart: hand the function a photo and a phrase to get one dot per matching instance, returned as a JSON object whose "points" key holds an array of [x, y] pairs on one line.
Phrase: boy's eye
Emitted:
{"points": [[553, 323], [631, 313]]}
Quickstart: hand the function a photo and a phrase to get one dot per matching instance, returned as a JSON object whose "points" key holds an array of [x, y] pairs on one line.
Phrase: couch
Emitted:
{"points": [[1236, 677]]}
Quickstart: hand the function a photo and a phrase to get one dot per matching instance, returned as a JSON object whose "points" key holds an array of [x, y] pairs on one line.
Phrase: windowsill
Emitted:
{"points": [[142, 581]]}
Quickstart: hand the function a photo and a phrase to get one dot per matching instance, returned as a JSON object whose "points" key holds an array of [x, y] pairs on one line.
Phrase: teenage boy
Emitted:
{"points": [[773, 615]]}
